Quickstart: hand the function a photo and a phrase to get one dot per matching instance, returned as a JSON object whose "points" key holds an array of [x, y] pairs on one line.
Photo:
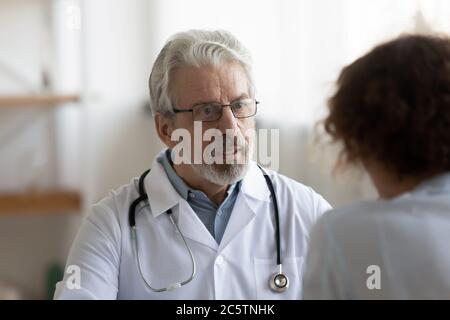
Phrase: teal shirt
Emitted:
{"points": [[214, 217]]}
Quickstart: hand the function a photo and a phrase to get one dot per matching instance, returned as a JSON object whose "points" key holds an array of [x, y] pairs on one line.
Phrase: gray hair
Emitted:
{"points": [[194, 48]]}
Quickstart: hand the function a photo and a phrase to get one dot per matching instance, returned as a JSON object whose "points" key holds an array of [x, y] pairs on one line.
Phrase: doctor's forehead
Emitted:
{"points": [[224, 83]]}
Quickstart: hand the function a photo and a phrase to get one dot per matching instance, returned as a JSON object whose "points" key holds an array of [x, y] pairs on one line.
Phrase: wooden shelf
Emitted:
{"points": [[39, 202], [41, 100]]}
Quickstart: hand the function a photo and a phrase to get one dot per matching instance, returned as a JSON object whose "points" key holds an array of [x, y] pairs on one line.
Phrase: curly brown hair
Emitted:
{"points": [[393, 106]]}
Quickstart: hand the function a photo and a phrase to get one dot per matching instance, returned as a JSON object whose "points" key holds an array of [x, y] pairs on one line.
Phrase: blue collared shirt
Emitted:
{"points": [[214, 217]]}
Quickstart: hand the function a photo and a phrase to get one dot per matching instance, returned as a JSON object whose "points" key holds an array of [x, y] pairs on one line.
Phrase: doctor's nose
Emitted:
{"points": [[227, 121]]}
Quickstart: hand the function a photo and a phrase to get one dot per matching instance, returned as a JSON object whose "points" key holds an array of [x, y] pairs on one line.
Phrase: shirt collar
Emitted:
{"points": [[254, 185]]}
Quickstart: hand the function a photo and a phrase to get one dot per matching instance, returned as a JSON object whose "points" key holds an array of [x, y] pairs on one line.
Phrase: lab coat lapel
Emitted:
{"points": [[163, 196], [192, 227], [241, 216], [253, 198]]}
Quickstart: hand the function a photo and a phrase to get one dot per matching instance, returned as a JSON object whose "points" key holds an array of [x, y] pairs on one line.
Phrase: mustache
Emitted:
{"points": [[230, 142], [228, 146]]}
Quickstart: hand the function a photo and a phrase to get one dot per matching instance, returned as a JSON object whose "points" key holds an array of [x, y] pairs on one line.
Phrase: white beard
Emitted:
{"points": [[225, 174], [222, 174]]}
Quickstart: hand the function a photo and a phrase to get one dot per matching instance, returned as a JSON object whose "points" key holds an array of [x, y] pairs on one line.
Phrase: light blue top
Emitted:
{"points": [[214, 217]]}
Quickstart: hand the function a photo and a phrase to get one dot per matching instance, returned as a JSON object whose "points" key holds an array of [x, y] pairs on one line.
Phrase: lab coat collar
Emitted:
{"points": [[437, 184], [163, 196], [254, 185]]}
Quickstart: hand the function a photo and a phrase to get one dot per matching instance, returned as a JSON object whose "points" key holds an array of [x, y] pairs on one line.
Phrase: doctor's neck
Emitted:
{"points": [[389, 184], [216, 193]]}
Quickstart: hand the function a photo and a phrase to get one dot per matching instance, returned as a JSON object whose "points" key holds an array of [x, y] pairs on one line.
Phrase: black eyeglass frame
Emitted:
{"points": [[175, 110]]}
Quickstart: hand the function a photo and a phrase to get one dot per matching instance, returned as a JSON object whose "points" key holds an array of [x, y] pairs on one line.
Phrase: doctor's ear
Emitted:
{"points": [[164, 128]]}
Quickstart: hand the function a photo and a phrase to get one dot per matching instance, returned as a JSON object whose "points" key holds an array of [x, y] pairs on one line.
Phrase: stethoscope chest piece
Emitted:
{"points": [[279, 282]]}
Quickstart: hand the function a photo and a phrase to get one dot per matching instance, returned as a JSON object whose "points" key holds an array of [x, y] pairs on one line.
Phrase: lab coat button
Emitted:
{"points": [[219, 260]]}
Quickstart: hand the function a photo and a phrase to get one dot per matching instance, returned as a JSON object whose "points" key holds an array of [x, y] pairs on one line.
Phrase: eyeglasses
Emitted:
{"points": [[242, 108]]}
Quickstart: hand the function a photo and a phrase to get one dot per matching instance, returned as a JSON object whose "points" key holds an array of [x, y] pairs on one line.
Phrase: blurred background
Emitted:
{"points": [[74, 117]]}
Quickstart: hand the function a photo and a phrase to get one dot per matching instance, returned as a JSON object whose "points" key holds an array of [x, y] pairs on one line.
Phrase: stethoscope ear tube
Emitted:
{"points": [[142, 196], [277, 218], [132, 221]]}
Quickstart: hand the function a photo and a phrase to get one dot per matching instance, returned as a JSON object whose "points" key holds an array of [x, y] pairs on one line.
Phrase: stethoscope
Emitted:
{"points": [[278, 281]]}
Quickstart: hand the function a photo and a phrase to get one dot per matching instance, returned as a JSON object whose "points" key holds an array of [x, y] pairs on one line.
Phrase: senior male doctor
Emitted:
{"points": [[197, 230]]}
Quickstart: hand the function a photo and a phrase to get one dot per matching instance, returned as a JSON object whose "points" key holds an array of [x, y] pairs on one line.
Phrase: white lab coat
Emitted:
{"points": [[238, 268], [395, 249]]}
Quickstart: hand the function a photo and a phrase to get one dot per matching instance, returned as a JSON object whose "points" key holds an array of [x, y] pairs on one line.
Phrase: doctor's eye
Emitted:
{"points": [[244, 108], [238, 105], [206, 111]]}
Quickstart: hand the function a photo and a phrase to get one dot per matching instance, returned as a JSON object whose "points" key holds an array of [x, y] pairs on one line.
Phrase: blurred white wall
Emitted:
{"points": [[119, 140]]}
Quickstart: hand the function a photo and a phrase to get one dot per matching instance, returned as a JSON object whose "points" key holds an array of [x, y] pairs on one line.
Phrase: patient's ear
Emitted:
{"points": [[164, 128]]}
